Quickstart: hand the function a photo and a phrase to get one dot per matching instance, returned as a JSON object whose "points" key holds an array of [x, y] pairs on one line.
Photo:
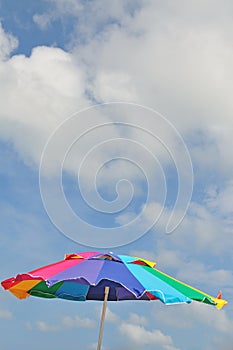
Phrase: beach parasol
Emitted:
{"points": [[105, 277]]}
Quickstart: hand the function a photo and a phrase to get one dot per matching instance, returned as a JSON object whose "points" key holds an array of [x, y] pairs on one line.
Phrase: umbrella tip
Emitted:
{"points": [[219, 301]]}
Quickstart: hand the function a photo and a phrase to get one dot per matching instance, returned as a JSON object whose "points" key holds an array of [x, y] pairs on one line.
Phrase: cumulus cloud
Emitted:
{"points": [[137, 319], [185, 75], [58, 8], [67, 322], [42, 21], [73, 322], [137, 76], [7, 43], [163, 257], [203, 226], [133, 318], [139, 335], [6, 314], [164, 57], [135, 330], [37, 93], [45, 327], [219, 201], [111, 316], [100, 16], [194, 315]]}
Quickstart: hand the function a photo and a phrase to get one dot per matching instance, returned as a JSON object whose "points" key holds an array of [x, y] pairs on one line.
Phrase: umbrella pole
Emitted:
{"points": [[106, 291]]}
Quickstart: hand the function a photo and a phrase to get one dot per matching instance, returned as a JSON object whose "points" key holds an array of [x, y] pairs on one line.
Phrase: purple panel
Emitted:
{"points": [[125, 294], [88, 269], [118, 272]]}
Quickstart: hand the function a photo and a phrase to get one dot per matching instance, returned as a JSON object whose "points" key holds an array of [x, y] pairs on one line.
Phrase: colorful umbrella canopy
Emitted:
{"points": [[83, 276], [98, 276]]}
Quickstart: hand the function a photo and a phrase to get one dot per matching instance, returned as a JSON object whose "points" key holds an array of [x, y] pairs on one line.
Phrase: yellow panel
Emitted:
{"points": [[219, 302], [21, 294], [21, 288]]}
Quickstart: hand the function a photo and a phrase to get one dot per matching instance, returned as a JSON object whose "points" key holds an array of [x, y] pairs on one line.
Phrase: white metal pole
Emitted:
{"points": [[106, 291]]}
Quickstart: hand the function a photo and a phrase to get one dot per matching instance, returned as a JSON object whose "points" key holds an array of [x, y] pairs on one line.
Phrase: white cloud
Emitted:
{"points": [[206, 228], [6, 314], [178, 64], [45, 327], [115, 86], [217, 320], [137, 75], [151, 212], [111, 316], [163, 257], [37, 93], [134, 329], [123, 219], [100, 16], [137, 319], [202, 228], [7, 43], [146, 254], [66, 323], [142, 337], [58, 8], [69, 7], [219, 202], [42, 21], [79, 322], [203, 275], [138, 336], [195, 315]]}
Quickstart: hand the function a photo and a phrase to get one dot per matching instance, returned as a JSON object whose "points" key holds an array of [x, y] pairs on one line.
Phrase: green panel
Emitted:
{"points": [[43, 291]]}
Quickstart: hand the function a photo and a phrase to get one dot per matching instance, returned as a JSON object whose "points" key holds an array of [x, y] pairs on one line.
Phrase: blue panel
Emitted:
{"points": [[72, 291]]}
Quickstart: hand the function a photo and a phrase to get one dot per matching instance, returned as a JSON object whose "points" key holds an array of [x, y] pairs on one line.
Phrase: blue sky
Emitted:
{"points": [[60, 57]]}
